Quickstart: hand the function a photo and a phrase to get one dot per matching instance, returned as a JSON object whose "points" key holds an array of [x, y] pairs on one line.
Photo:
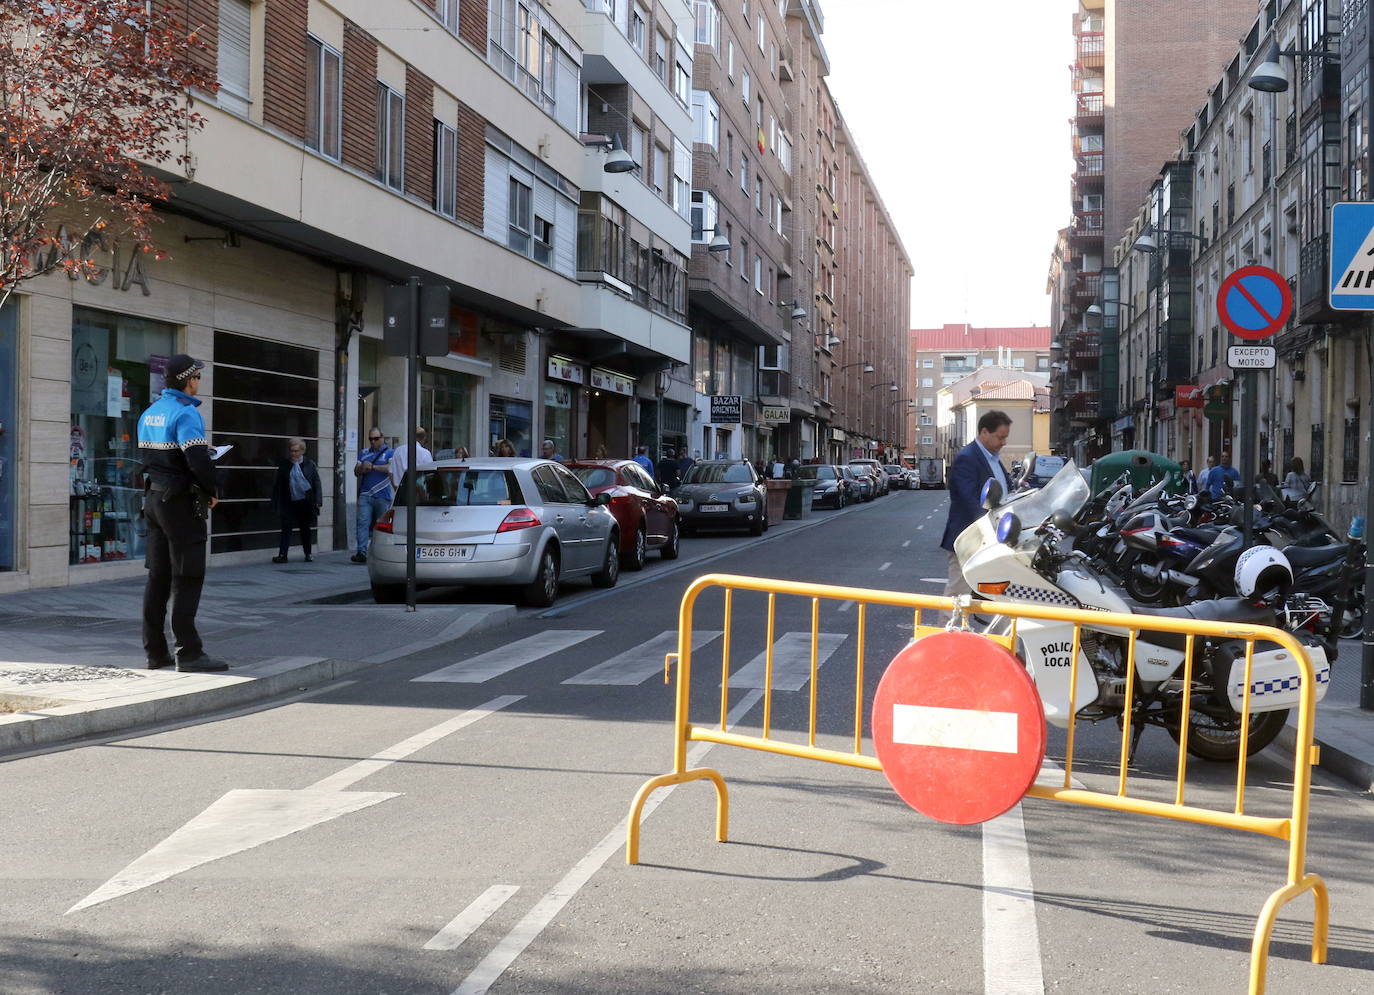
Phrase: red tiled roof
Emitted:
{"points": [[968, 337], [1018, 390]]}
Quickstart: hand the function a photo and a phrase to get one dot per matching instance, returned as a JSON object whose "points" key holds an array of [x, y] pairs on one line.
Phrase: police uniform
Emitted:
{"points": [[180, 480]]}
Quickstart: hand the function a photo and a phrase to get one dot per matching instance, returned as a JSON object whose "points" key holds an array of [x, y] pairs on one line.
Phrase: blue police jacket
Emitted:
{"points": [[174, 444]]}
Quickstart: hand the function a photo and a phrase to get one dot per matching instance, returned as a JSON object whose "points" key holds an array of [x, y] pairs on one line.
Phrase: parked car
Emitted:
{"points": [[722, 494], [897, 477], [862, 486], [831, 486], [876, 470], [647, 515], [525, 523]]}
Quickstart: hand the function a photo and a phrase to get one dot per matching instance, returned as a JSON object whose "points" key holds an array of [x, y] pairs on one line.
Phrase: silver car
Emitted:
{"points": [[524, 523]]}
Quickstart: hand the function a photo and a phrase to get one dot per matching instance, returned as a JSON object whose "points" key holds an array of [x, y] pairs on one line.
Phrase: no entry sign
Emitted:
{"points": [[958, 727], [1254, 302]]}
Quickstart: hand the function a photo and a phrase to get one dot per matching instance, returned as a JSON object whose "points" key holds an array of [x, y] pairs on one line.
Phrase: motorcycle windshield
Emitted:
{"points": [[1067, 492]]}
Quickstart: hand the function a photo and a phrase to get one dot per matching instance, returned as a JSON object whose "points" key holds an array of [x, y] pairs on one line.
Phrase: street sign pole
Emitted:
{"points": [[1367, 657], [1249, 415], [412, 402]]}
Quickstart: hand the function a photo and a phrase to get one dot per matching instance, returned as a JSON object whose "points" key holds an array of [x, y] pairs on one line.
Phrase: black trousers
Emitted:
{"points": [[297, 516], [176, 570]]}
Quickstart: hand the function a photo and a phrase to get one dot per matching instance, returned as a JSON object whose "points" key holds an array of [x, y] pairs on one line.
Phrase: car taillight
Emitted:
{"points": [[383, 524], [619, 497], [520, 518]]}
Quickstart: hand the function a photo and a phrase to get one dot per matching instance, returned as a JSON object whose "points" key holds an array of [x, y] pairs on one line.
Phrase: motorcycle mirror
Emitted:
{"points": [[1009, 528], [991, 496], [1062, 520]]}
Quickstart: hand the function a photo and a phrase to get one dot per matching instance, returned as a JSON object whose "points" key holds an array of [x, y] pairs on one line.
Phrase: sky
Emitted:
{"points": [[961, 114]]}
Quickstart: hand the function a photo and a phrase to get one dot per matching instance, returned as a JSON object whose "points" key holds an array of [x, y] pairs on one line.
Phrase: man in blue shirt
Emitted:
{"points": [[373, 471], [1218, 476], [971, 468], [642, 458]]}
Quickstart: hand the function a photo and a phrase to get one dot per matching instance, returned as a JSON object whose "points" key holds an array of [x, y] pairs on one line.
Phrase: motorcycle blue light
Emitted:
{"points": [[1008, 528]]}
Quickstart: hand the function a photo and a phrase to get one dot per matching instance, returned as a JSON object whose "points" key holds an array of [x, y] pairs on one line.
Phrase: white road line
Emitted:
{"points": [[845, 606], [934, 580], [884, 567], [906, 544], [356, 772], [484, 666], [468, 921], [504, 954], [637, 665], [920, 527], [791, 661], [1011, 939]]}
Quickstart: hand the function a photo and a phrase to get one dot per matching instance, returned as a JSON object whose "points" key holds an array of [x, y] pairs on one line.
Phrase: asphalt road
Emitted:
{"points": [[452, 822]]}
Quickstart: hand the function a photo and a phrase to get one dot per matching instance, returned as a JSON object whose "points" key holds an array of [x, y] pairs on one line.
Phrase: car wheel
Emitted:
{"points": [[541, 592], [756, 528], [388, 594], [610, 564], [635, 561], [670, 549]]}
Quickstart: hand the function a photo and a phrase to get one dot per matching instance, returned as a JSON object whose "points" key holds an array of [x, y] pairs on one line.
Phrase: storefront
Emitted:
{"points": [[9, 435], [563, 404], [512, 420], [675, 426], [447, 402], [117, 364], [608, 413]]}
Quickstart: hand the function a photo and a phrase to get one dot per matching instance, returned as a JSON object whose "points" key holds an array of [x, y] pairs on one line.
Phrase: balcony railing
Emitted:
{"points": [[1092, 47], [1087, 286], [1087, 223], [1088, 164], [1089, 105], [1084, 405]]}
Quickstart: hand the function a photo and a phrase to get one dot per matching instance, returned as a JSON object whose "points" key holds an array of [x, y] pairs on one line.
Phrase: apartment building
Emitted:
{"points": [[354, 144], [1136, 65], [1253, 183]]}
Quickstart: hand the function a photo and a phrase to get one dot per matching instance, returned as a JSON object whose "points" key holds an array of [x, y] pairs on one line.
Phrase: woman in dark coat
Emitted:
{"points": [[296, 496]]}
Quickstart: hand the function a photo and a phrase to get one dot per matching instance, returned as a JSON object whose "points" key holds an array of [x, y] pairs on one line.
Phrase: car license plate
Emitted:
{"points": [[715, 507], [443, 552]]}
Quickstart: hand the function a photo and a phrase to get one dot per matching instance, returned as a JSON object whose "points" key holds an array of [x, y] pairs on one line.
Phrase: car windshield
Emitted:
{"points": [[718, 473], [893, 469], [449, 487], [594, 476]]}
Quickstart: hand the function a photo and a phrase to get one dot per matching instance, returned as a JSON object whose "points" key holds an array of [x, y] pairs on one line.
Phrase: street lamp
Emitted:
{"points": [[868, 367], [718, 243], [1148, 243], [1269, 75], [798, 312]]}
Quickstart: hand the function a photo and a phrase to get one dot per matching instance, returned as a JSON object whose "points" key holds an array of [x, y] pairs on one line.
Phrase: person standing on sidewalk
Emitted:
{"points": [[642, 458], [423, 457], [972, 467], [298, 495], [178, 495], [373, 471]]}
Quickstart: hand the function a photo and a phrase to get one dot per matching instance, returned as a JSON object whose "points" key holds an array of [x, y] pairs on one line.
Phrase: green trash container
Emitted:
{"points": [[1145, 469], [799, 498]]}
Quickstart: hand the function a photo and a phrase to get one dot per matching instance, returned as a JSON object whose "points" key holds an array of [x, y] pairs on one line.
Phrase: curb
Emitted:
{"points": [[1355, 771], [23, 732]]}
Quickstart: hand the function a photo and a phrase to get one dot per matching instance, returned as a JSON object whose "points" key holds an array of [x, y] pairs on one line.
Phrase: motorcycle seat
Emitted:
{"points": [[1203, 537], [1306, 556], [1216, 610]]}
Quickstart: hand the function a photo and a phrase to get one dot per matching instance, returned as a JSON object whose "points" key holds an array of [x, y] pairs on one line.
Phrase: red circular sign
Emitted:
{"points": [[1254, 302], [958, 727]]}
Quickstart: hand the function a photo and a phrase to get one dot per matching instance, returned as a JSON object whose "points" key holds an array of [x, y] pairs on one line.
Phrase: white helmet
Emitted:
{"points": [[1262, 571]]}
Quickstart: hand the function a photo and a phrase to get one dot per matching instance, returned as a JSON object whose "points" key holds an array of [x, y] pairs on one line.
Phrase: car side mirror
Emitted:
{"points": [[602, 500]]}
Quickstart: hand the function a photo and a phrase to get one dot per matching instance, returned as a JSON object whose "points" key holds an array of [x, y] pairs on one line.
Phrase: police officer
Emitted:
{"points": [[179, 491]]}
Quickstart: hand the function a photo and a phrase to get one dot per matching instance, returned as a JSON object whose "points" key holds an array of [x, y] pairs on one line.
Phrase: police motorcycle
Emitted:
{"points": [[1021, 550]]}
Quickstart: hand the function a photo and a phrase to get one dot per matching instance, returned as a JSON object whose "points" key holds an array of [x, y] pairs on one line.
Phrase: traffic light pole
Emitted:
{"points": [[409, 481], [1367, 656]]}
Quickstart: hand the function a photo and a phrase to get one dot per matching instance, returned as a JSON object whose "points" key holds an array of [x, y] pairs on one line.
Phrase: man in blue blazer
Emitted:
{"points": [[974, 464]]}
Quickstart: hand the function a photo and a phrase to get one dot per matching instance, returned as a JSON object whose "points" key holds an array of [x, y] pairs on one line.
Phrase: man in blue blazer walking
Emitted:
{"points": [[974, 464]]}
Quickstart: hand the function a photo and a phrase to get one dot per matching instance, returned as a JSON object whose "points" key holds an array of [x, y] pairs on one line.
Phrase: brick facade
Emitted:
{"points": [[201, 18], [284, 62], [472, 23], [419, 170], [472, 173], [359, 99]]}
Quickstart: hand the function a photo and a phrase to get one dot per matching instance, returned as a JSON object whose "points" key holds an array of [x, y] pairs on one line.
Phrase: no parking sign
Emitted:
{"points": [[1254, 302]]}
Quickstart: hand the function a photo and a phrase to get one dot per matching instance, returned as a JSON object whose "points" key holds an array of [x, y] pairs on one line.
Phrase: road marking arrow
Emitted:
{"points": [[246, 818]]}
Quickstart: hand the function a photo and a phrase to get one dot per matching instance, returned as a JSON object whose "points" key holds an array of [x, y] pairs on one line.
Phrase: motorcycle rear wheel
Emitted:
{"points": [[1144, 590], [1219, 741]]}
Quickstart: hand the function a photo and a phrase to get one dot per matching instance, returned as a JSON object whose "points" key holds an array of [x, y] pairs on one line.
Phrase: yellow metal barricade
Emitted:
{"points": [[1292, 828]]}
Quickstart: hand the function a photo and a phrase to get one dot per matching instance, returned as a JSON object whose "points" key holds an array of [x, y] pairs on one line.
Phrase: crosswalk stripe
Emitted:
{"points": [[637, 665], [503, 659], [468, 921], [791, 661]]}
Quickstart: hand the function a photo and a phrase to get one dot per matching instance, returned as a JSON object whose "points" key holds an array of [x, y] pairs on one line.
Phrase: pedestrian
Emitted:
{"points": [[1266, 473], [669, 474], [373, 471], [972, 467], [642, 458], [1189, 477], [684, 462], [461, 453], [399, 455], [779, 468], [792, 467], [547, 450], [179, 492], [1296, 482], [1222, 477], [297, 495]]}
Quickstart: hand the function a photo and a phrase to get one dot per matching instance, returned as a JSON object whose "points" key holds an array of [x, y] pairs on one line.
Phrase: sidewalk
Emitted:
{"points": [[1344, 732], [72, 663]]}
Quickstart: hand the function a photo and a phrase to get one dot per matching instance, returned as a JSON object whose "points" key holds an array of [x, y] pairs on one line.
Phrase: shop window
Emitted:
{"points": [[511, 420], [558, 417], [265, 393], [117, 365], [446, 407]]}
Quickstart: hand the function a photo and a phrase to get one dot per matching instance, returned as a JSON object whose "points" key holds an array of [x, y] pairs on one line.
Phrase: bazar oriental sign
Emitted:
{"points": [[124, 270]]}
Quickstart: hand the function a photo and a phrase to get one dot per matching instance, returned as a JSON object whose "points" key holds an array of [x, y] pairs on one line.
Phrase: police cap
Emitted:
{"points": [[181, 368]]}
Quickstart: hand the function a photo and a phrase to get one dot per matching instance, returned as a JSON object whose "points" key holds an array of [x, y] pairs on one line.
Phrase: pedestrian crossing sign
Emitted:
{"points": [[1352, 257]]}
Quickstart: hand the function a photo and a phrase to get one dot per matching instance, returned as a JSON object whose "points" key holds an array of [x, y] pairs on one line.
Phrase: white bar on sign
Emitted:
{"points": [[954, 728]]}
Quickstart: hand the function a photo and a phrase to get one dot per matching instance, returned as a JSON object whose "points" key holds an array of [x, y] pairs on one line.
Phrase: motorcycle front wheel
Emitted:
{"points": [[1142, 589], [1210, 738]]}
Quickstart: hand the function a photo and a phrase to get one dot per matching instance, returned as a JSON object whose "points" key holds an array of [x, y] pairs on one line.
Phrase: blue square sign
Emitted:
{"points": [[1352, 257]]}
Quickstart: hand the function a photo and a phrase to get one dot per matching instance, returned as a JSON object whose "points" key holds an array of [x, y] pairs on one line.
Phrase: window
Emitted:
{"points": [[1018, 364], [639, 138], [705, 211], [708, 23], [1042, 362], [323, 97], [729, 237], [445, 169], [660, 177], [448, 13], [927, 382], [927, 440], [743, 256], [730, 59], [927, 364], [543, 241], [744, 87], [639, 17], [758, 194], [729, 149], [758, 274], [927, 420], [391, 113], [235, 55], [661, 57], [744, 173], [927, 402], [705, 119], [682, 76], [518, 208], [682, 178], [762, 38]]}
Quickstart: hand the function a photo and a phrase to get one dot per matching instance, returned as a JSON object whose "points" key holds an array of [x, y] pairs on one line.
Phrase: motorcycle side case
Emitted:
{"points": [[1048, 649], [1275, 679]]}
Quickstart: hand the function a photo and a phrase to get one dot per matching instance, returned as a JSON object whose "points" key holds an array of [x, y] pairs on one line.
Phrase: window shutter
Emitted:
{"points": [[235, 49], [565, 238], [496, 192]]}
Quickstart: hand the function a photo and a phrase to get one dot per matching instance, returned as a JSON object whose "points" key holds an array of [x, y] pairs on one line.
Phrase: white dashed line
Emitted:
{"points": [[906, 544], [884, 567], [466, 923]]}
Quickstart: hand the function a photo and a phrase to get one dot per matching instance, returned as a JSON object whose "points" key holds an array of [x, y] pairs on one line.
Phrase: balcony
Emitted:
{"points": [[1088, 109], [1085, 352], [1086, 224], [1087, 166], [1083, 406], [1092, 49], [1086, 288]]}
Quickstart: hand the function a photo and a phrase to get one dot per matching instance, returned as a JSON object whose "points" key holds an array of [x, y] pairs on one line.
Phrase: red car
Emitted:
{"points": [[647, 515]]}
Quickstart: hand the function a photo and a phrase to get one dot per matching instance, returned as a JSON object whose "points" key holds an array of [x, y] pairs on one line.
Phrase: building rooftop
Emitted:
{"points": [[969, 337]]}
